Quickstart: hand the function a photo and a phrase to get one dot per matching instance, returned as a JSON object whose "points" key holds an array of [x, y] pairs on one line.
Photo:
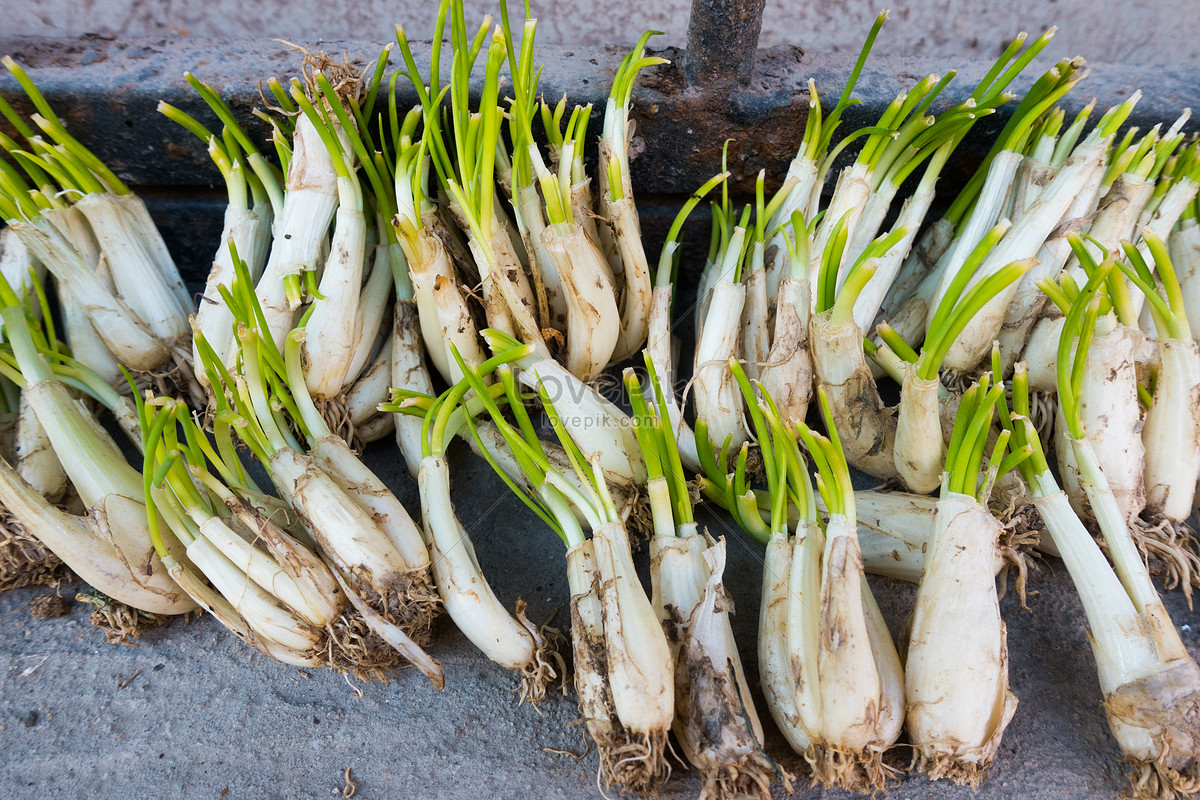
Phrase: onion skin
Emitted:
{"points": [[867, 429]]}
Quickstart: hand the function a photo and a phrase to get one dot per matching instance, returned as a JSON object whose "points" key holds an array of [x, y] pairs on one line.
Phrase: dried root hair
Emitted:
{"points": [[346, 80], [860, 771], [24, 560], [351, 647], [1170, 549], [412, 603], [120, 622], [962, 771], [547, 664], [634, 762], [1020, 535], [1154, 780], [748, 777], [176, 378], [337, 417]]}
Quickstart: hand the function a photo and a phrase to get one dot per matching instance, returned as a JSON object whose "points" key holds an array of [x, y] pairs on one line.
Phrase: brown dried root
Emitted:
{"points": [[120, 622], [337, 416], [1021, 533], [352, 647], [25, 561], [346, 80], [537, 676], [1042, 407], [748, 777], [1170, 550], [861, 771], [175, 379], [1156, 781], [946, 765], [634, 762]]}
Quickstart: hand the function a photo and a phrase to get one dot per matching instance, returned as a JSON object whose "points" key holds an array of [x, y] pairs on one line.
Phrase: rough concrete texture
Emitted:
{"points": [[192, 713], [1130, 31]]}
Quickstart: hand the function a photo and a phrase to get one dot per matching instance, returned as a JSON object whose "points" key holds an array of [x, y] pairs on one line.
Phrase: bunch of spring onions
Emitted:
{"points": [[318, 240], [768, 290], [557, 268], [831, 675], [510, 640], [107, 542], [122, 297], [1149, 681], [956, 671], [371, 544], [626, 672], [686, 568]]}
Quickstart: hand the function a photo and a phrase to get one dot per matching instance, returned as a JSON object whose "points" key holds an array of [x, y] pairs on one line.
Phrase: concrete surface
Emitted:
{"points": [[192, 713], [1129, 31]]}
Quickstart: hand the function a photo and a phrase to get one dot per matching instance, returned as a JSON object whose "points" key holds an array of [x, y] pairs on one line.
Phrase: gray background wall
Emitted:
{"points": [[1128, 31]]}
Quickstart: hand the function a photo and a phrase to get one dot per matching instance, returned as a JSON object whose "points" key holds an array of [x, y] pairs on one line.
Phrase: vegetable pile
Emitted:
{"points": [[469, 267]]}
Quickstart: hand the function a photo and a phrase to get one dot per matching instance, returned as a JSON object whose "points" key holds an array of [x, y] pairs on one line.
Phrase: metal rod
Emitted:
{"points": [[722, 40]]}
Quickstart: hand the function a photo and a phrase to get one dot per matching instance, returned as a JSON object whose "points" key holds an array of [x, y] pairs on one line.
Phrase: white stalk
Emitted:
{"points": [[984, 217], [123, 332], [775, 662], [388, 514], [659, 346], [596, 425], [1023, 241], [640, 669], [99, 561], [36, 460], [1028, 300], [849, 200], [849, 683], [527, 207], [756, 330], [363, 397], [919, 453], [1172, 431], [1185, 256], [262, 569], [408, 371], [1112, 422], [956, 675], [250, 232], [718, 399], [139, 221], [335, 510], [1114, 219], [86, 346], [912, 215], [212, 601], [332, 329], [627, 232], [466, 593], [261, 611], [374, 297], [802, 176], [920, 261], [321, 600], [134, 272], [711, 684]]}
